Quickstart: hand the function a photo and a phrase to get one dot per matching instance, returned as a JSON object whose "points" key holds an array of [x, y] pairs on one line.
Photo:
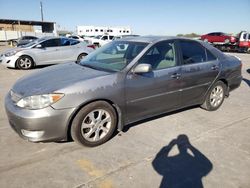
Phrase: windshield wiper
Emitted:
{"points": [[89, 66], [96, 68]]}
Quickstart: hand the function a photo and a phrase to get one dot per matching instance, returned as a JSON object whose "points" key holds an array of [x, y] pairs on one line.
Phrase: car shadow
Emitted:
{"points": [[247, 81], [183, 170], [131, 125], [248, 70]]}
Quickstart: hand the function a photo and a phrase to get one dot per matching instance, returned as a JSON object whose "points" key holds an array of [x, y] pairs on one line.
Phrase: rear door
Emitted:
{"points": [[68, 50], [157, 91], [48, 53], [199, 69]]}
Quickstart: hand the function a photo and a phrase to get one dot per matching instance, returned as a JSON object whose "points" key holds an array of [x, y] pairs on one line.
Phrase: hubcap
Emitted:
{"points": [[25, 63], [216, 96], [96, 125]]}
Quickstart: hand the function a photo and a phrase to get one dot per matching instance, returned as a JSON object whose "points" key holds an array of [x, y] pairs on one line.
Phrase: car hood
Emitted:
{"points": [[17, 49], [54, 78]]}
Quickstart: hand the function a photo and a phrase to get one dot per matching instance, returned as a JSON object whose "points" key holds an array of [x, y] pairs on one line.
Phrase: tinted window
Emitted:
{"points": [[74, 42], [210, 56], [65, 42], [192, 52], [104, 37], [111, 37], [160, 56], [51, 43]]}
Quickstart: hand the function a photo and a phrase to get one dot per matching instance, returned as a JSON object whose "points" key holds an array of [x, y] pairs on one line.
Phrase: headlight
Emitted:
{"points": [[39, 101], [8, 54]]}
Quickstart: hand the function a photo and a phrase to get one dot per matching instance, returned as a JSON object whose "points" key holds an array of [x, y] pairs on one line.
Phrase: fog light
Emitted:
{"points": [[32, 134]]}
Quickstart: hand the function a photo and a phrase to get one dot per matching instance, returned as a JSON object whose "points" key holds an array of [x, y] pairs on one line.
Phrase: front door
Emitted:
{"points": [[155, 92]]}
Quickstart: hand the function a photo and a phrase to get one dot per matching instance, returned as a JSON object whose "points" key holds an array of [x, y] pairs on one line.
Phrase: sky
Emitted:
{"points": [[145, 17]]}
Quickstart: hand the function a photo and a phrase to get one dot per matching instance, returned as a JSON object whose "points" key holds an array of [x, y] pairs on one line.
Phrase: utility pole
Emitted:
{"points": [[41, 8]]}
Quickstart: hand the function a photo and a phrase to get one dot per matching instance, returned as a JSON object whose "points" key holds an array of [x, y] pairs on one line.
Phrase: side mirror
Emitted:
{"points": [[142, 68], [39, 46]]}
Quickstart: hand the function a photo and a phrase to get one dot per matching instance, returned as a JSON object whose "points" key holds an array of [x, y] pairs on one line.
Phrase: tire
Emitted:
{"points": [[227, 41], [215, 97], [25, 62], [97, 45], [205, 40], [94, 124], [80, 57], [14, 43]]}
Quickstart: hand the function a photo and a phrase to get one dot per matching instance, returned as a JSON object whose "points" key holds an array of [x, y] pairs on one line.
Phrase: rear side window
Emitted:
{"points": [[192, 52], [210, 56]]}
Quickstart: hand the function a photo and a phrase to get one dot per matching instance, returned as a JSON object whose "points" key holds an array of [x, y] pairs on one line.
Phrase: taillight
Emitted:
{"points": [[91, 46]]}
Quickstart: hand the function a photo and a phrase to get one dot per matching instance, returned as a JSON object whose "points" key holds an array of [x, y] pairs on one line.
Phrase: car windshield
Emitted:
{"points": [[114, 56], [98, 37], [33, 43]]}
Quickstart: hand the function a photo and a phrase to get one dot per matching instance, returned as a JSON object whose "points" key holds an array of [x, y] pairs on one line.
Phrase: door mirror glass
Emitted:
{"points": [[142, 68]]}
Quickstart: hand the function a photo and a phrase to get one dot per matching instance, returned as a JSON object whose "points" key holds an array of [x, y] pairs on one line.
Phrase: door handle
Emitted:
{"points": [[176, 75], [215, 67]]}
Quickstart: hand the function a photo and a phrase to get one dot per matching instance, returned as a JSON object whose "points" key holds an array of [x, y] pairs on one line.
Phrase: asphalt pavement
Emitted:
{"points": [[191, 147]]}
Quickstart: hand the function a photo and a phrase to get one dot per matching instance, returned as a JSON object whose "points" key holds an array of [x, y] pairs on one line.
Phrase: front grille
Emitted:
{"points": [[14, 96]]}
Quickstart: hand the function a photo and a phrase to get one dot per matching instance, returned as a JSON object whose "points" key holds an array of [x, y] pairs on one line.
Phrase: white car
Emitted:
{"points": [[77, 37], [101, 40], [47, 50]]}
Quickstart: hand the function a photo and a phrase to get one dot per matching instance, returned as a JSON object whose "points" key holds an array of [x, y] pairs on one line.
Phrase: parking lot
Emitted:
{"points": [[218, 154]]}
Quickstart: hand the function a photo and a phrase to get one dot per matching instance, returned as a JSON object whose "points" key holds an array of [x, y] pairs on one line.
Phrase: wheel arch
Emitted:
{"points": [[114, 105], [21, 55]]}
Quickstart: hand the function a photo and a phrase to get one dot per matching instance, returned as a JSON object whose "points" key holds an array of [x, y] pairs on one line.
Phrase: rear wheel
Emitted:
{"points": [[227, 41], [25, 62], [215, 97], [205, 40], [94, 124], [80, 57]]}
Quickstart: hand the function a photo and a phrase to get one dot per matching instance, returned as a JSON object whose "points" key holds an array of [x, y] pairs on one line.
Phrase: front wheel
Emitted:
{"points": [[25, 62], [215, 97], [94, 124]]}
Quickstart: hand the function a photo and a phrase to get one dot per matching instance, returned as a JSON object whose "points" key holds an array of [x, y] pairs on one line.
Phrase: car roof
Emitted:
{"points": [[152, 39]]}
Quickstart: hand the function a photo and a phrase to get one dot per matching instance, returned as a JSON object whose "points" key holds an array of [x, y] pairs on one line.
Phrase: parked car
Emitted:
{"points": [[109, 89], [25, 40], [124, 36], [76, 37], [100, 40], [47, 50], [218, 37]]}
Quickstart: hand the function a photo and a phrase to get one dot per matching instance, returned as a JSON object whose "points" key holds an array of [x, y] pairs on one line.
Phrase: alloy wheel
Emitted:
{"points": [[96, 125], [216, 96]]}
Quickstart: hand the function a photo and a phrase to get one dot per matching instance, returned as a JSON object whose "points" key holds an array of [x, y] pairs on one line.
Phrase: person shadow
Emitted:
{"points": [[184, 170]]}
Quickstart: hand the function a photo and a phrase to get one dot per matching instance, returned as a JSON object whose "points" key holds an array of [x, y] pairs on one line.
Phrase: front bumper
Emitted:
{"points": [[8, 61], [51, 123]]}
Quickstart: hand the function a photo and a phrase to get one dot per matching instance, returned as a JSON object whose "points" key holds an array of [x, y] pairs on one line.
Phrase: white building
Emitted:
{"points": [[97, 30]]}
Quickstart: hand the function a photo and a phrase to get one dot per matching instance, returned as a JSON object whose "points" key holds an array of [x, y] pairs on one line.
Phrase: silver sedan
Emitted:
{"points": [[122, 82], [47, 50]]}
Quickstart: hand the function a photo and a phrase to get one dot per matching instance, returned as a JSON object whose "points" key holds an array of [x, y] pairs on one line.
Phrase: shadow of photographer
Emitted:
{"points": [[184, 170]]}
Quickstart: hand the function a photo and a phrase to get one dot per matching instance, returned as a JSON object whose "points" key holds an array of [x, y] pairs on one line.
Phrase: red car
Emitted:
{"points": [[218, 37]]}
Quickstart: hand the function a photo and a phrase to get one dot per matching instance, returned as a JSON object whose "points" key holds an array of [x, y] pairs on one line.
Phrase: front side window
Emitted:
{"points": [[105, 38], [114, 56], [51, 43], [192, 52], [160, 56]]}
